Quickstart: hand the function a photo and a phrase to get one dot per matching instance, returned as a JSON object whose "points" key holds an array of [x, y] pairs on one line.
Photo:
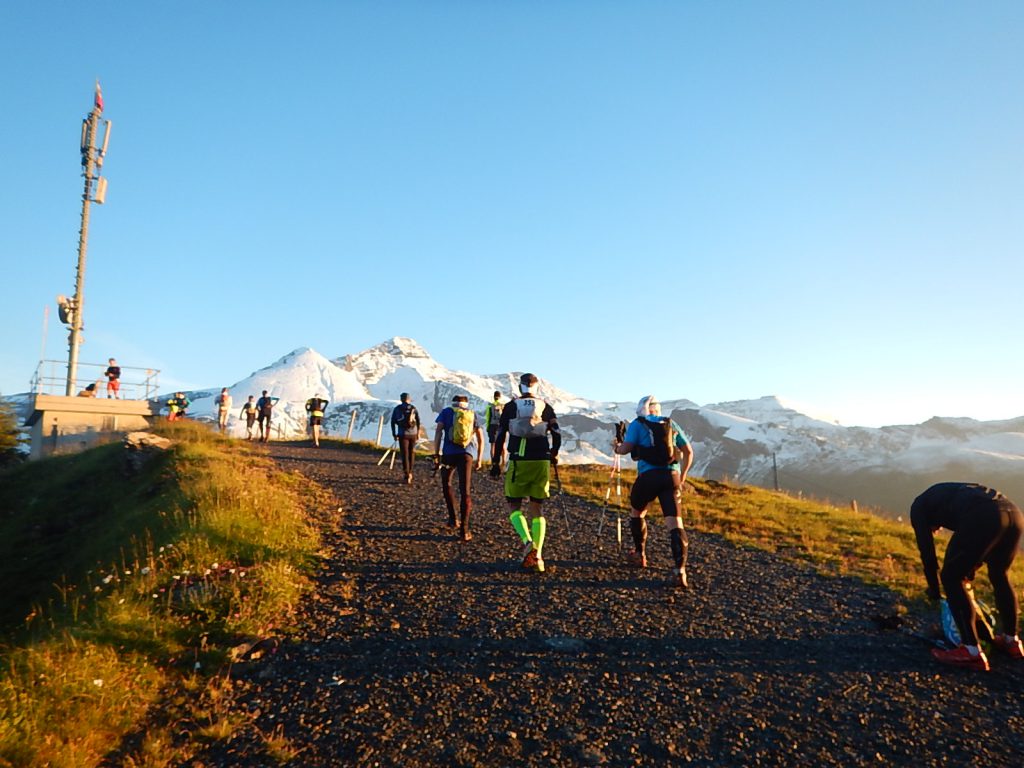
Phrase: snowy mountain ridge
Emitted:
{"points": [[749, 441]]}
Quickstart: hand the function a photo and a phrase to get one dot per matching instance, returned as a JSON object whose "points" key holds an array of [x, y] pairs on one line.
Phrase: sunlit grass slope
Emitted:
{"points": [[836, 540], [122, 591]]}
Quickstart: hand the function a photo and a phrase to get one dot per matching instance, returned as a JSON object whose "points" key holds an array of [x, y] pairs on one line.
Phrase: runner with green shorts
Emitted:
{"points": [[526, 422]]}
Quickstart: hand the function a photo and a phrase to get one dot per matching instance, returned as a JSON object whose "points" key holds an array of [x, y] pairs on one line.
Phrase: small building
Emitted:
{"points": [[61, 424]]}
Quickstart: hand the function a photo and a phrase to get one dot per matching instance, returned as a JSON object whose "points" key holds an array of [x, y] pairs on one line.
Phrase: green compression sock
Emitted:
{"points": [[518, 520], [539, 527]]}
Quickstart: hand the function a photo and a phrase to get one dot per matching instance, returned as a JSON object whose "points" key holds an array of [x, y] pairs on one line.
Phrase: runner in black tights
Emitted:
{"points": [[987, 529]]}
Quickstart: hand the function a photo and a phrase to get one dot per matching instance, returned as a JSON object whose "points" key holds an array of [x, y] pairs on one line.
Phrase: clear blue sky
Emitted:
{"points": [[710, 200]]}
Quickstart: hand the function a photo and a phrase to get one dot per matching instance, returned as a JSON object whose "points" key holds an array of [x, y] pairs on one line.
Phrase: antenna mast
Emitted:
{"points": [[95, 192]]}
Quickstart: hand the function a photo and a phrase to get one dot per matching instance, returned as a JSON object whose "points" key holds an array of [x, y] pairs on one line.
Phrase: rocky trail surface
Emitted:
{"points": [[419, 650]]}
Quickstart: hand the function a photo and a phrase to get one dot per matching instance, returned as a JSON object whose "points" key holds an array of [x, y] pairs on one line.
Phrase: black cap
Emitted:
{"points": [[528, 379], [404, 396]]}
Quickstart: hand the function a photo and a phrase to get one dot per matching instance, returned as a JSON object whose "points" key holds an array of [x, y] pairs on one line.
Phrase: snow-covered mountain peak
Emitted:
{"points": [[299, 375], [772, 408], [385, 358]]}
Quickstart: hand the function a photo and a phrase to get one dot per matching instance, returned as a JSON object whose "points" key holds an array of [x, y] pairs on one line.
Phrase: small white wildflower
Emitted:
{"points": [[145, 571], [98, 682], [96, 589], [127, 573], [162, 549], [108, 579], [198, 666], [155, 595], [121, 601], [215, 566]]}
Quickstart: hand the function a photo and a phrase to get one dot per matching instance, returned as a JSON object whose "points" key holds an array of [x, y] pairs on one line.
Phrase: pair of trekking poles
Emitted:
{"points": [[614, 480]]}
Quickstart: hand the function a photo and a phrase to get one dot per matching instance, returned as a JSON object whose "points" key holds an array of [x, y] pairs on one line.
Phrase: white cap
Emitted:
{"points": [[648, 406]]}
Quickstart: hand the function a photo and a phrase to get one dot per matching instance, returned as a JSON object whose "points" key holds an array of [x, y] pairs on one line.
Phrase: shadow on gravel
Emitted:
{"points": [[618, 653]]}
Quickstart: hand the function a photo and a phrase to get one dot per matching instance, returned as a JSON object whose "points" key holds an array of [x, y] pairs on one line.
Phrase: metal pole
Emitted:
{"points": [[89, 161], [775, 471]]}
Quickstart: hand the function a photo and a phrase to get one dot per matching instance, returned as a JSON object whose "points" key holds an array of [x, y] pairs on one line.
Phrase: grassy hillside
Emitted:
{"points": [[127, 591], [124, 594]]}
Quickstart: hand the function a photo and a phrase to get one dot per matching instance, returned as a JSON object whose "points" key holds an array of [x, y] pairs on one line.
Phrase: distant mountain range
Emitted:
{"points": [[746, 441]]}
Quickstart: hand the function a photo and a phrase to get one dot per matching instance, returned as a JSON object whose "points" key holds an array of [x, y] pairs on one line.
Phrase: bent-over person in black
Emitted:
{"points": [[987, 528]]}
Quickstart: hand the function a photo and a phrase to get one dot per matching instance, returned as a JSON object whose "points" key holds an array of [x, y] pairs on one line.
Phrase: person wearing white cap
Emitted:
{"points": [[664, 456]]}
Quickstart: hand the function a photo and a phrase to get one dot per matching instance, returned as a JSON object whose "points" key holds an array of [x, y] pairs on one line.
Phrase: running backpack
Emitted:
{"points": [[528, 421], [407, 420], [662, 451], [462, 427]]}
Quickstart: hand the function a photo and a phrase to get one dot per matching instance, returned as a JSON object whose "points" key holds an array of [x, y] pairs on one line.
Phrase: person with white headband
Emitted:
{"points": [[526, 422], [664, 456]]}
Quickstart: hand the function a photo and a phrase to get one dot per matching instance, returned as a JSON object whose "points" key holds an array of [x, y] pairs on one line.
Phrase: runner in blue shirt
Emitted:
{"points": [[664, 456], [463, 446]]}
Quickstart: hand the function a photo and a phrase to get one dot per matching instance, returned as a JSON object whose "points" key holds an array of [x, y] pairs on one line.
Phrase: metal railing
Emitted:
{"points": [[51, 378]]}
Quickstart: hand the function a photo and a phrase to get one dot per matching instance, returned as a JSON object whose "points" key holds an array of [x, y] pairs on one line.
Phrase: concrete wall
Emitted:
{"points": [[61, 424]]}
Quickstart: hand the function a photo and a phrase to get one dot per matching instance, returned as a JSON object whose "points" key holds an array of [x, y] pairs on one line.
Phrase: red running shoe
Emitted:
{"points": [[1012, 648], [530, 559], [636, 559], [961, 657]]}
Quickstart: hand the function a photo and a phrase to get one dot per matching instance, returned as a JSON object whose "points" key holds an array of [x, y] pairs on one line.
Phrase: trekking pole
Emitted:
{"points": [[558, 492], [391, 450], [614, 478]]}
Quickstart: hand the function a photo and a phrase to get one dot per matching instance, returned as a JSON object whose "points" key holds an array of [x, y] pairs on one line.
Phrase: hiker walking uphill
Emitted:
{"points": [[264, 412], [223, 409], [316, 406], [987, 529], [526, 423], [463, 446], [249, 412], [405, 429], [177, 406], [492, 417], [663, 457]]}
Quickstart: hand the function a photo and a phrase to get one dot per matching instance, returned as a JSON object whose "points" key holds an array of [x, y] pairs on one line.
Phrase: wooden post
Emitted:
{"points": [[380, 428], [351, 424]]}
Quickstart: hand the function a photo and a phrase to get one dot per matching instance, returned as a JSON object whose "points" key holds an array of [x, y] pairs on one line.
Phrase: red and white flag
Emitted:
{"points": [[99, 97]]}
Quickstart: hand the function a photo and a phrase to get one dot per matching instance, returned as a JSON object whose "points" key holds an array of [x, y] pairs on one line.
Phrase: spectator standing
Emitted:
{"points": [[113, 374]]}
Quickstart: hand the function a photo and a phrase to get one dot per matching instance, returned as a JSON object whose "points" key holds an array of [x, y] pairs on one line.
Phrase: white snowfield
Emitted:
{"points": [[736, 440]]}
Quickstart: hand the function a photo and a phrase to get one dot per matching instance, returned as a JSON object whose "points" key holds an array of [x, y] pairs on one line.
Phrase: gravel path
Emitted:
{"points": [[420, 650]]}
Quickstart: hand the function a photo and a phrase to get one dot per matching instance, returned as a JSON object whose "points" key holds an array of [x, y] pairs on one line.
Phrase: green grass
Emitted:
{"points": [[835, 540], [125, 594]]}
